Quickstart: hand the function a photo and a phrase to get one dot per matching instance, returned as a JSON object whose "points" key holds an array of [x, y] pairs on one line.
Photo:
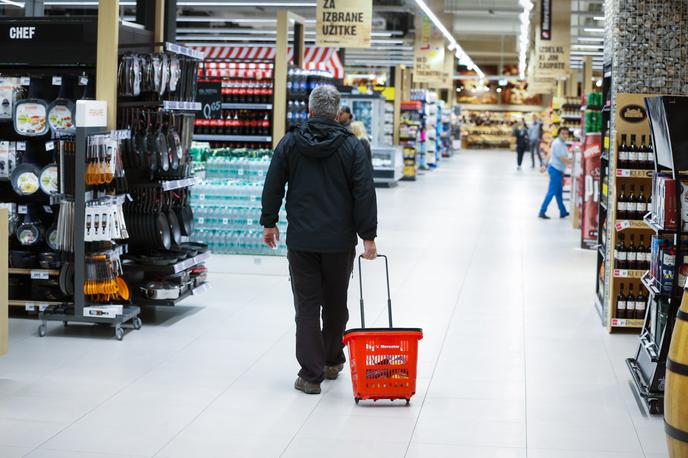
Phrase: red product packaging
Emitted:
{"points": [[592, 153]]}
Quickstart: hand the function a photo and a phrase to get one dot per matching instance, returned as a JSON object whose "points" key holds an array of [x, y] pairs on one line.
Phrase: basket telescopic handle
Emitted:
{"points": [[360, 284]]}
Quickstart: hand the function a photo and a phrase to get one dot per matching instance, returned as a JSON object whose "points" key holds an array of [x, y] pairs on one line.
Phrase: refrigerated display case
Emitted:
{"points": [[388, 164], [369, 109]]}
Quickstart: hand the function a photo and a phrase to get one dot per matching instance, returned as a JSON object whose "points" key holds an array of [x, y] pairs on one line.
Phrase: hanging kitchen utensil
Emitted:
{"points": [[51, 237], [30, 116], [61, 112], [25, 179], [162, 146], [48, 179], [29, 233]]}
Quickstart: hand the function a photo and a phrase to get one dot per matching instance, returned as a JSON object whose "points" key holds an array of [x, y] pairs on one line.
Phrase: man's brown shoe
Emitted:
{"points": [[331, 372], [306, 386]]}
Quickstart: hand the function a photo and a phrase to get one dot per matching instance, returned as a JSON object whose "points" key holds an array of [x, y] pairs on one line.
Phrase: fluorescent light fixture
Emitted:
{"points": [[51, 3], [591, 39], [253, 3], [587, 46], [452, 41], [258, 32], [11, 3], [524, 37], [599, 18], [593, 30], [587, 53]]}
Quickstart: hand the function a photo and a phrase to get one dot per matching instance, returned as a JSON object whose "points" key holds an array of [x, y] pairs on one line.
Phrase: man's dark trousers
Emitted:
{"points": [[320, 279]]}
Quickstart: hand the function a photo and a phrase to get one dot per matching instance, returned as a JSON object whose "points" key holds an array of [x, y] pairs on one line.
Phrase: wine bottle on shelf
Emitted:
{"points": [[623, 153], [640, 305], [650, 154], [631, 208], [621, 303], [642, 154], [621, 207], [631, 254], [630, 302], [633, 154], [642, 254], [620, 253], [641, 203]]}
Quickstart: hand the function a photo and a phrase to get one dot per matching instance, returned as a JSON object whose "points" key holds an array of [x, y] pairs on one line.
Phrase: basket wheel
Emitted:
{"points": [[357, 400], [408, 402]]}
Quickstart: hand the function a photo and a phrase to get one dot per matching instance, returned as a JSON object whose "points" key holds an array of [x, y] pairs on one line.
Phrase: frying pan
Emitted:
{"points": [[151, 149], [175, 227], [162, 148]]}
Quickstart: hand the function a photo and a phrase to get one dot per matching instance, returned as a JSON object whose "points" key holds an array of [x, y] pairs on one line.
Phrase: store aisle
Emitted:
{"points": [[514, 362]]}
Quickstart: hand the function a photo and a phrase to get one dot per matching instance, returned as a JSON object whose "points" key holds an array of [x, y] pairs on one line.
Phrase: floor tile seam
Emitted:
{"points": [[627, 408], [522, 240], [117, 455], [108, 398], [225, 390], [446, 332]]}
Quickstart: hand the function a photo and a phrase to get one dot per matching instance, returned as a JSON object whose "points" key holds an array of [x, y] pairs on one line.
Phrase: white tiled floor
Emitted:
{"points": [[514, 362]]}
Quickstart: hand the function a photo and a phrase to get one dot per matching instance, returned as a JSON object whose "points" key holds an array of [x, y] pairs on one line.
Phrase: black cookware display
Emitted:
{"points": [[157, 76]]}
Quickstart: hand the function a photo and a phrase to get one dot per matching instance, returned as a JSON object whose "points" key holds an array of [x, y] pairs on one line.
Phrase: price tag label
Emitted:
{"points": [[47, 208], [201, 220], [30, 307], [249, 222], [21, 146], [42, 307], [22, 209], [623, 173], [240, 172], [24, 80], [39, 275], [225, 221], [83, 80], [620, 273], [57, 81], [621, 225], [49, 146]]}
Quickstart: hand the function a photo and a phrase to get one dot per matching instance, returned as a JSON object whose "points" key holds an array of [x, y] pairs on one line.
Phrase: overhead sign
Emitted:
{"points": [[552, 54], [343, 23], [428, 56], [546, 19]]}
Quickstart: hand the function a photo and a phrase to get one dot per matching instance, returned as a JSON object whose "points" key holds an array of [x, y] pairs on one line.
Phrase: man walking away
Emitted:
{"points": [[330, 200], [558, 161], [535, 134]]}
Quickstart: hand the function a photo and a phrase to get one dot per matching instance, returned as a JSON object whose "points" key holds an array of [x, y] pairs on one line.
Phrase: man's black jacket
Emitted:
{"points": [[330, 196]]}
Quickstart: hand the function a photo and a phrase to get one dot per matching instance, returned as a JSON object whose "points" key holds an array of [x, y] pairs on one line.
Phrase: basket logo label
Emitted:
{"points": [[372, 347]]}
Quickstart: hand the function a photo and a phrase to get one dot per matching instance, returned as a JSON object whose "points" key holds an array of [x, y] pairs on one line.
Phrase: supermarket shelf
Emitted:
{"points": [[171, 269], [627, 323], [630, 224], [171, 302], [634, 173], [628, 273], [34, 272], [247, 106], [37, 304], [652, 224], [231, 138], [178, 184], [652, 285], [169, 105]]}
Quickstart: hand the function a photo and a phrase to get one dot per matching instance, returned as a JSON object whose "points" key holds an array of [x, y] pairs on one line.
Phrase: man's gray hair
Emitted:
{"points": [[324, 102]]}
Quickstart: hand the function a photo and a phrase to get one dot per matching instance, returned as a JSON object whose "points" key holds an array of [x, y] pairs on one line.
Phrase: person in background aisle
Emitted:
{"points": [[558, 161], [535, 136], [359, 130], [344, 117], [331, 200], [521, 133]]}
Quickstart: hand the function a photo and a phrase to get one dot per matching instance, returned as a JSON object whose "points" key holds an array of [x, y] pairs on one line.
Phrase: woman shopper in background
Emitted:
{"points": [[521, 133], [558, 161], [359, 130]]}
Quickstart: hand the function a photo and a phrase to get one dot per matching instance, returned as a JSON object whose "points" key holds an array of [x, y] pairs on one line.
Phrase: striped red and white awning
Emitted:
{"points": [[227, 61]]}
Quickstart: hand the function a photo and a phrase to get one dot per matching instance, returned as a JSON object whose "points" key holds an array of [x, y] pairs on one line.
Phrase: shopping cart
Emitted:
{"points": [[383, 360]]}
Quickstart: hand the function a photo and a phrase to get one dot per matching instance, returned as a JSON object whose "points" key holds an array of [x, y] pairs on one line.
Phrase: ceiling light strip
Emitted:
{"points": [[453, 44], [524, 37]]}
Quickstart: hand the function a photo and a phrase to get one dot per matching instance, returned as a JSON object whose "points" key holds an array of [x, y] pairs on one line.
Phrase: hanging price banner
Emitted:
{"points": [[343, 23]]}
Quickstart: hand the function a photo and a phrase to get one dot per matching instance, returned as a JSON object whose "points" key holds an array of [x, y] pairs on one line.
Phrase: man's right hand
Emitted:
{"points": [[369, 249], [271, 236]]}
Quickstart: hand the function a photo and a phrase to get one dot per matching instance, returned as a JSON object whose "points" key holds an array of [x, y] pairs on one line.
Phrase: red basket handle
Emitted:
{"points": [[360, 284]]}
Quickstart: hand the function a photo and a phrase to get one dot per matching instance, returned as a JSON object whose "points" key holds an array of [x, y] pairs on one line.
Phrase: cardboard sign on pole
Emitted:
{"points": [[343, 23], [428, 56], [552, 55]]}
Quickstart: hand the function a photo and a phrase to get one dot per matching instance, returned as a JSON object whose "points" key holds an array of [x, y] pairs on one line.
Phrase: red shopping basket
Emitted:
{"points": [[383, 360]]}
